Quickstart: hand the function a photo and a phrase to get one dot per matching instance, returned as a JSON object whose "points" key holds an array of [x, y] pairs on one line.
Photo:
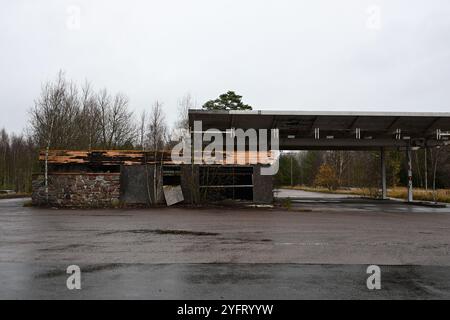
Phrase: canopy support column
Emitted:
{"points": [[383, 174], [426, 168], [410, 181]]}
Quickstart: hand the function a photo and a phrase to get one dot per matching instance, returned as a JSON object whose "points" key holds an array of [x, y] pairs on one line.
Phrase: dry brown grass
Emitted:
{"points": [[441, 195]]}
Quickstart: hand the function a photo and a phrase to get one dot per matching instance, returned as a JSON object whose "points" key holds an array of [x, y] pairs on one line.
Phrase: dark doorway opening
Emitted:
{"points": [[226, 182]]}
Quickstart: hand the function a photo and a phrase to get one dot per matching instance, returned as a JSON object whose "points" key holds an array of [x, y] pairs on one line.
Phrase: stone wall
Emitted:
{"points": [[133, 186], [93, 190]]}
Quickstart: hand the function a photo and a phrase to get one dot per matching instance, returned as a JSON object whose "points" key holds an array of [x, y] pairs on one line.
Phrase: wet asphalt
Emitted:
{"points": [[223, 281], [316, 250]]}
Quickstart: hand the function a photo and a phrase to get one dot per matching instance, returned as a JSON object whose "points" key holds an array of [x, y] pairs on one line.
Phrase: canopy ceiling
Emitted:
{"points": [[334, 130]]}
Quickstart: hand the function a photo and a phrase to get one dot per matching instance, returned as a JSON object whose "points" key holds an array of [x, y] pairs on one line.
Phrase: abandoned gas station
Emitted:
{"points": [[101, 178], [356, 131]]}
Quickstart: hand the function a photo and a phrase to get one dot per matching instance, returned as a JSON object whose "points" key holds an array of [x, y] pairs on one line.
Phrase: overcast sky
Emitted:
{"points": [[296, 55]]}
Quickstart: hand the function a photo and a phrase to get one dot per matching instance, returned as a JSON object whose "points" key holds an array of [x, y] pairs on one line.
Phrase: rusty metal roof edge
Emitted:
{"points": [[322, 113]]}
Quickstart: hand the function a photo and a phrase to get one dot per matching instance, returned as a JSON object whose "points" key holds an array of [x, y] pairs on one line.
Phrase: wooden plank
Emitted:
{"points": [[133, 157]]}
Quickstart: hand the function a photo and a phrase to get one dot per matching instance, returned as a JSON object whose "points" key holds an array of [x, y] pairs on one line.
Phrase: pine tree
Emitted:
{"points": [[227, 101]]}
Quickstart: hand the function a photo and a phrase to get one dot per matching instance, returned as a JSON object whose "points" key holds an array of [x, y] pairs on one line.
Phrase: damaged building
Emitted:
{"points": [[98, 179]]}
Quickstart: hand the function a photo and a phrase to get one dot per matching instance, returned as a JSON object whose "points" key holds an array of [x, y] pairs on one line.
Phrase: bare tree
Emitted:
{"points": [[116, 125], [89, 119], [181, 125], [104, 106], [54, 114], [65, 117], [53, 118], [142, 129], [340, 161], [157, 128], [156, 141], [184, 105]]}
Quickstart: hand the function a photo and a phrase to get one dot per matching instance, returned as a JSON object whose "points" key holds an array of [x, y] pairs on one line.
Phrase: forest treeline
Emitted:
{"points": [[18, 155], [363, 168]]}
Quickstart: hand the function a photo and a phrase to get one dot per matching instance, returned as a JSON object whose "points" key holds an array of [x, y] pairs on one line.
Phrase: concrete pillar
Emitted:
{"points": [[262, 186], [426, 168], [383, 175], [410, 181], [137, 185], [190, 183]]}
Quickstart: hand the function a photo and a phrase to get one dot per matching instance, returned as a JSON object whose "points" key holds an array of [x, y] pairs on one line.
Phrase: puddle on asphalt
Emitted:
{"points": [[161, 232], [86, 269]]}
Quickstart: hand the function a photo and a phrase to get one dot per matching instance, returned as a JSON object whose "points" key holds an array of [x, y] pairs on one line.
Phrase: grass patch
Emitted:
{"points": [[441, 195], [287, 203]]}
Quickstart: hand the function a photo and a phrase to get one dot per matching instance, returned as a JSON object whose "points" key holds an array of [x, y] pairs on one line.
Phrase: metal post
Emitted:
{"points": [[426, 168], [292, 180], [383, 175], [410, 182]]}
